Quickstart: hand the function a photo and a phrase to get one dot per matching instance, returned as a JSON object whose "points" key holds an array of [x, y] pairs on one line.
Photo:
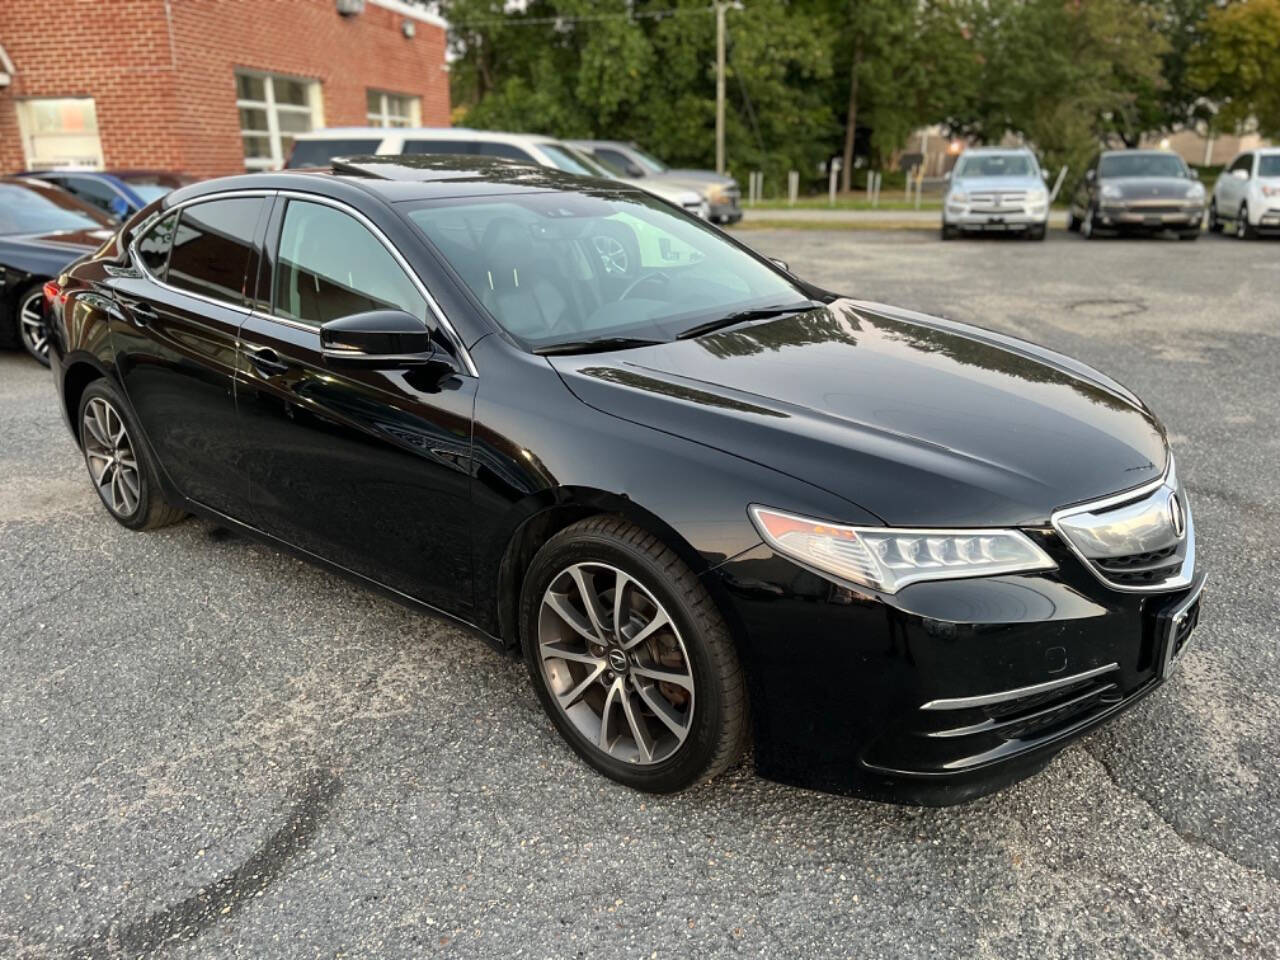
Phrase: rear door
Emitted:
{"points": [[370, 469], [176, 355]]}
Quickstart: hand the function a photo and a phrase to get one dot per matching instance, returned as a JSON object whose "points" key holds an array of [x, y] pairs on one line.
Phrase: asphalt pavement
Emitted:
{"points": [[211, 749]]}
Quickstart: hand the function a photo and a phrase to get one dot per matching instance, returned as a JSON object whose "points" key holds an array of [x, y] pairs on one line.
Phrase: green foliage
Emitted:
{"points": [[1238, 65]]}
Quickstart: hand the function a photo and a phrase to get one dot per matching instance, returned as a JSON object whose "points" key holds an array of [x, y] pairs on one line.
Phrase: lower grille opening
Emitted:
{"points": [[1142, 568]]}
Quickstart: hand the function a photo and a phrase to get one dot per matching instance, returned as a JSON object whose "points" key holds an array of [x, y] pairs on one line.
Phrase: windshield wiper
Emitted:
{"points": [[594, 345], [742, 316]]}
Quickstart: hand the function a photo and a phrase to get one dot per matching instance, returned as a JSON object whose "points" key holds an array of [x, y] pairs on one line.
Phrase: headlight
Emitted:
{"points": [[958, 196], [1111, 191], [1269, 191], [717, 194], [889, 558], [1035, 197], [1195, 191]]}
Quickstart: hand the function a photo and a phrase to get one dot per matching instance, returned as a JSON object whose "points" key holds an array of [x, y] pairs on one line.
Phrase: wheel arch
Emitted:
{"points": [[546, 515], [76, 377]]}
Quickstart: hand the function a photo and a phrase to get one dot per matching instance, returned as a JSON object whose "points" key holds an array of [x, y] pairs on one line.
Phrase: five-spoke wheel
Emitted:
{"points": [[31, 327]]}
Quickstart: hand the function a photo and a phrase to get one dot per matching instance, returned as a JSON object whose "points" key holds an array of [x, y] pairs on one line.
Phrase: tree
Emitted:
{"points": [[1238, 65]]}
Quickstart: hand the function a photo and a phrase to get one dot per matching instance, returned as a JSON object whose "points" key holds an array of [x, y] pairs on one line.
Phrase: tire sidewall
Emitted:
{"points": [[105, 390], [695, 754]]}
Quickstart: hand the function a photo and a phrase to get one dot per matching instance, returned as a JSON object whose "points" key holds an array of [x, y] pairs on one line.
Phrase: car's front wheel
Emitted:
{"points": [[1244, 229], [119, 465], [31, 327], [630, 657]]}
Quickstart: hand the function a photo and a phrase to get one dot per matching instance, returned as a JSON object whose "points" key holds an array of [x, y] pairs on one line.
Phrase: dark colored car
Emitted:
{"points": [[1137, 191], [117, 193], [42, 229], [680, 481]]}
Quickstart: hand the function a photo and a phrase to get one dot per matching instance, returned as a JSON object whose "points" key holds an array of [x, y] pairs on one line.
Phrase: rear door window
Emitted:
{"points": [[504, 150], [211, 247], [319, 153]]}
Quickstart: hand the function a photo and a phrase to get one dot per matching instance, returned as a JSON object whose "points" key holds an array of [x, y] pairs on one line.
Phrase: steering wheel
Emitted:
{"points": [[612, 254], [644, 277]]}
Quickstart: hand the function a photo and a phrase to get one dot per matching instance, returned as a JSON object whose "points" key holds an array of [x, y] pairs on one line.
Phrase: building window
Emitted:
{"points": [[60, 132], [272, 110], [393, 109]]}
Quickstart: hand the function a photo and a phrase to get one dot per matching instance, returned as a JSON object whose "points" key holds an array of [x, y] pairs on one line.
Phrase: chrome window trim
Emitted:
{"points": [[381, 237], [1002, 696], [1184, 576]]}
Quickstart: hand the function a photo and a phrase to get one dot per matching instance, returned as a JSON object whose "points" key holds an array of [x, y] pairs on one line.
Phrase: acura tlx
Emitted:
{"points": [[709, 503]]}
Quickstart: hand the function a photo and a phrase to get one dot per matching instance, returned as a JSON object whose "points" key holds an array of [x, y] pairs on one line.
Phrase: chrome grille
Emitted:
{"points": [[998, 198], [1143, 540]]}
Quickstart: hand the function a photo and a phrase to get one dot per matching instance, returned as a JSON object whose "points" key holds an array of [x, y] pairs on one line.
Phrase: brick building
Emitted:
{"points": [[207, 87]]}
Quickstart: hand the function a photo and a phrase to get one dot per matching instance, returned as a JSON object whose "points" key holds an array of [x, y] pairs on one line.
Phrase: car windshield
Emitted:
{"points": [[559, 268], [35, 208], [1269, 165], [1141, 165], [650, 163], [569, 162], [996, 165]]}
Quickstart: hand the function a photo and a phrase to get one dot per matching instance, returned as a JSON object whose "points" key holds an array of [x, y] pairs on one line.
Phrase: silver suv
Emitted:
{"points": [[996, 189]]}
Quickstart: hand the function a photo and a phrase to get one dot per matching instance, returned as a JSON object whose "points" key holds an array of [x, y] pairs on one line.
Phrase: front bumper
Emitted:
{"points": [[945, 691], [995, 220], [1121, 216], [1269, 220]]}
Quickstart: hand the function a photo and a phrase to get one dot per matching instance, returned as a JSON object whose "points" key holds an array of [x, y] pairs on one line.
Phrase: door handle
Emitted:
{"points": [[140, 312], [267, 362]]}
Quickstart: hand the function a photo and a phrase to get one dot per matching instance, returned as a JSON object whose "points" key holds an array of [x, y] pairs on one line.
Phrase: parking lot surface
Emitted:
{"points": [[211, 749]]}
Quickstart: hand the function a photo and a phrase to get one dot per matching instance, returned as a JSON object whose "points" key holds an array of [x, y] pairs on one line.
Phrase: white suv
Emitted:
{"points": [[319, 147], [1247, 195], [996, 189]]}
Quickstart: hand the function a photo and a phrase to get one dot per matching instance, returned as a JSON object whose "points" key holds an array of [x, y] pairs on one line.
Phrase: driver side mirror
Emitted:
{"points": [[380, 340], [118, 207]]}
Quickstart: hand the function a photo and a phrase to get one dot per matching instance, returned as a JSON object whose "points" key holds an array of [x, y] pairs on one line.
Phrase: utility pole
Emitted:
{"points": [[720, 5]]}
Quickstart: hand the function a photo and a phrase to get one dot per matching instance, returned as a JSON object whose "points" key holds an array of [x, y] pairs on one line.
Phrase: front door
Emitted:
{"points": [[369, 469], [176, 352]]}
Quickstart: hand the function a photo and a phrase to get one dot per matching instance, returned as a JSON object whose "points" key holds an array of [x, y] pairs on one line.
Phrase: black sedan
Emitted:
{"points": [[1137, 191], [42, 229], [708, 502]]}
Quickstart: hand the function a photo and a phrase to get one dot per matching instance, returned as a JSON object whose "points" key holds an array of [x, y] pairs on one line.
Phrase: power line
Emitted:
{"points": [[518, 21]]}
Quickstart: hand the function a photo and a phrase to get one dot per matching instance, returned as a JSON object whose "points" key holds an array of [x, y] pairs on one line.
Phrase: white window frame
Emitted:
{"points": [[27, 131], [383, 116], [314, 109]]}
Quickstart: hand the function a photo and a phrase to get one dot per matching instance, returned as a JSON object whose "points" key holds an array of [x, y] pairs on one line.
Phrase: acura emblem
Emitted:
{"points": [[1176, 516]]}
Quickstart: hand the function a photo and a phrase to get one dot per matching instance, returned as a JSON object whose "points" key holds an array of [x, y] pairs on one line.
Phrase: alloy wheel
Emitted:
{"points": [[615, 663], [111, 458], [35, 335], [1242, 222], [1086, 225]]}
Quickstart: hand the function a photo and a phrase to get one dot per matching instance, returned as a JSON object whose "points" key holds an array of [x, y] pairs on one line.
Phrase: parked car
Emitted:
{"points": [[117, 193], [1138, 191], [42, 229], [319, 147], [1247, 195], [995, 189], [721, 192], [928, 555]]}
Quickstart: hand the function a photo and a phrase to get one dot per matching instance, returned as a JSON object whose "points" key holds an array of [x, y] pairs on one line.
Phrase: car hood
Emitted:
{"points": [[917, 420], [1151, 188], [698, 176]]}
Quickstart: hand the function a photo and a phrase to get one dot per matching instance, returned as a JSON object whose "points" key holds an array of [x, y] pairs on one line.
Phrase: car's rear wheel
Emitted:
{"points": [[630, 657], [1073, 225], [1087, 229], [31, 327], [118, 464]]}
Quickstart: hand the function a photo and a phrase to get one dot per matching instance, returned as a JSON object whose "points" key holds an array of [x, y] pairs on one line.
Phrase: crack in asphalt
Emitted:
{"points": [[1187, 836], [186, 919]]}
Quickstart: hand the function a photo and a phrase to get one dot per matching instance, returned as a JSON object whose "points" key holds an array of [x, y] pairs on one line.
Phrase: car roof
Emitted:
{"points": [[425, 133], [398, 178], [1151, 151], [989, 149]]}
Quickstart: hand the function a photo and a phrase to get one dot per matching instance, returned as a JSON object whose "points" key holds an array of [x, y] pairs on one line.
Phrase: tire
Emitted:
{"points": [[704, 697], [949, 232], [1087, 229], [1073, 225], [111, 442], [1037, 233], [31, 329], [1244, 229], [1189, 235], [1215, 225]]}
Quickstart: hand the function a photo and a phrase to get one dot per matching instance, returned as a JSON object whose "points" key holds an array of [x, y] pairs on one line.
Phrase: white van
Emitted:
{"points": [[319, 147]]}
